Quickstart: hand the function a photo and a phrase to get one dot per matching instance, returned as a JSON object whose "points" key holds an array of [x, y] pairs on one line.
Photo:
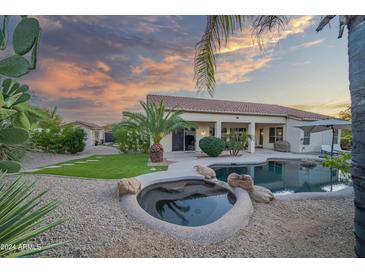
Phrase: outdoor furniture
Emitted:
{"points": [[326, 149], [337, 148], [326, 124], [282, 146]]}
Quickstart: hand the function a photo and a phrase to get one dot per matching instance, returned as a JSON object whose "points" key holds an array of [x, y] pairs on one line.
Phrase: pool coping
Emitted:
{"points": [[232, 221]]}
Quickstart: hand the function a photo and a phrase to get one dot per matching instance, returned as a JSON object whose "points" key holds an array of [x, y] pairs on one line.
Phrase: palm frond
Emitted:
{"points": [[22, 218], [156, 121], [218, 30], [267, 23]]}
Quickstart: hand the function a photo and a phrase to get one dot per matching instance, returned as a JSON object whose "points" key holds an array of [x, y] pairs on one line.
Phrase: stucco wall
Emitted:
{"points": [[292, 134], [203, 120], [296, 135], [90, 140]]}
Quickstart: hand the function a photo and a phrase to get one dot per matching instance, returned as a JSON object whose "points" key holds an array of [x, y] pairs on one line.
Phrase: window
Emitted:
{"points": [[212, 131], [272, 135], [275, 134], [307, 138]]}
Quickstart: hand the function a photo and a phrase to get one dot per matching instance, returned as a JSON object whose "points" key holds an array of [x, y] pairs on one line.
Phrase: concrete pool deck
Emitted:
{"points": [[235, 219]]}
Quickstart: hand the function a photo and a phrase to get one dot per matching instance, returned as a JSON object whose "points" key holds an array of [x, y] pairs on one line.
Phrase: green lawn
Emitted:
{"points": [[104, 167]]}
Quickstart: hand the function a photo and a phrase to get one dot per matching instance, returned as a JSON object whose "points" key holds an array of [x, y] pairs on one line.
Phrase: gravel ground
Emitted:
{"points": [[34, 160], [96, 226]]}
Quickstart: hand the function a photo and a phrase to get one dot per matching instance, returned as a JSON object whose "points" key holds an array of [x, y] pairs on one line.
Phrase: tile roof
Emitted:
{"points": [[86, 124], [234, 107]]}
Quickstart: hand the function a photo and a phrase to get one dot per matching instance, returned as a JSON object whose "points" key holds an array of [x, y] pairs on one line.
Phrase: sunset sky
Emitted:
{"points": [[93, 67]]}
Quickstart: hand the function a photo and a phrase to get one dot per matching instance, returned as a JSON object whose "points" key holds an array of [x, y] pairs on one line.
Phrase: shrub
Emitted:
{"points": [[131, 140], [212, 146], [237, 142], [48, 139], [57, 140], [73, 139], [342, 162]]}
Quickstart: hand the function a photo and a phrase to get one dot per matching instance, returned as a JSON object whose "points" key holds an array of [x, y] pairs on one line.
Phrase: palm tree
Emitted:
{"points": [[219, 30], [157, 122]]}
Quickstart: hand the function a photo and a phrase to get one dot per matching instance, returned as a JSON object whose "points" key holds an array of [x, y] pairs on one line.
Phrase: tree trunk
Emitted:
{"points": [[356, 52], [156, 153]]}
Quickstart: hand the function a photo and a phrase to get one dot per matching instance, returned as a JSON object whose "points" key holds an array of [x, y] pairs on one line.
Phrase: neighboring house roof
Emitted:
{"points": [[234, 107], [86, 124]]}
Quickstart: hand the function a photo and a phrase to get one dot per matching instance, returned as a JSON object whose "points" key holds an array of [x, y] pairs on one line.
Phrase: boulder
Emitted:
{"points": [[308, 163], [259, 194], [128, 186], [207, 172], [242, 181]]}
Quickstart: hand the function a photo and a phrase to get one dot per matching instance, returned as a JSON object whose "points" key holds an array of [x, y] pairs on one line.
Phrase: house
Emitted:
{"points": [[94, 133], [266, 122]]}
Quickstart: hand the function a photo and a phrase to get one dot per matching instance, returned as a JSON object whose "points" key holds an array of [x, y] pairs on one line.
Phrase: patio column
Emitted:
{"points": [[218, 129], [251, 131]]}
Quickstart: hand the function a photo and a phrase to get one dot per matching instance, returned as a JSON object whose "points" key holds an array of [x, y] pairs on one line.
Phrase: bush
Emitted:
{"points": [[131, 140], [57, 140], [48, 139], [212, 146], [237, 142], [342, 162], [73, 139]]}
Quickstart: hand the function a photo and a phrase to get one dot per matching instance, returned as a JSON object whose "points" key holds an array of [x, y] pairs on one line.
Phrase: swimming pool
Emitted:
{"points": [[187, 202], [287, 176]]}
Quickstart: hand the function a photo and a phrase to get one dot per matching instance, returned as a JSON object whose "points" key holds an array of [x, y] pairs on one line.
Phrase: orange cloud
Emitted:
{"points": [[173, 72], [329, 107]]}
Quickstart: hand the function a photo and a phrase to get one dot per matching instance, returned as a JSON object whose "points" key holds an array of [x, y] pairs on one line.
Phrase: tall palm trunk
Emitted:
{"points": [[356, 53], [156, 153]]}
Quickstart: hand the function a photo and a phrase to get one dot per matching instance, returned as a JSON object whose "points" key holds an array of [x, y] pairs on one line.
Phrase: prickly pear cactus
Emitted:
{"points": [[13, 136], [25, 40], [16, 116]]}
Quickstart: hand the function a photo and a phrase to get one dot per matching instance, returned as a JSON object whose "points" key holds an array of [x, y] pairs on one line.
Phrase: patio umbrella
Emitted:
{"points": [[326, 124]]}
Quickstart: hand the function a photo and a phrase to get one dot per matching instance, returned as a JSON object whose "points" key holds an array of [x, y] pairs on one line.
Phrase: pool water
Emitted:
{"points": [[288, 176], [186, 203]]}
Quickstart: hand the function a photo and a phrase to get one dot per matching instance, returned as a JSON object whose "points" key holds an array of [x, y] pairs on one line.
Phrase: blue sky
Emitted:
{"points": [[94, 67]]}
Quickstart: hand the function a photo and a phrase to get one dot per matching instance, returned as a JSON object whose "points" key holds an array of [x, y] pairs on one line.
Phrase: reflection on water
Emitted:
{"points": [[285, 177], [187, 203]]}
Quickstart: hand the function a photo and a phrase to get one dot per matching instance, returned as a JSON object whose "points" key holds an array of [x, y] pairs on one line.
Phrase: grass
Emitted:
{"points": [[108, 167]]}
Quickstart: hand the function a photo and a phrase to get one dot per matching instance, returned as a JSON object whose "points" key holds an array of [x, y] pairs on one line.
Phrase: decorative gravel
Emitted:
{"points": [[33, 160], [96, 226]]}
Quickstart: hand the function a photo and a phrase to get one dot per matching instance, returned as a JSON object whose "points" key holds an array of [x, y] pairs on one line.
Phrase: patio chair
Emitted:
{"points": [[326, 149], [338, 149]]}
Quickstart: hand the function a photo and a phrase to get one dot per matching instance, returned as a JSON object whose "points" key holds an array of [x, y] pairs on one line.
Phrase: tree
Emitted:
{"points": [[346, 114], [157, 122], [346, 135], [220, 28], [236, 142]]}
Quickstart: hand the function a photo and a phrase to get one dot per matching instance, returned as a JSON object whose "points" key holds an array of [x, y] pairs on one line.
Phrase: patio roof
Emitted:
{"points": [[223, 106]]}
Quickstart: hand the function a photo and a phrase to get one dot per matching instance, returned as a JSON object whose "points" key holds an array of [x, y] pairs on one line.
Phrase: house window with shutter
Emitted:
{"points": [[307, 138]]}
